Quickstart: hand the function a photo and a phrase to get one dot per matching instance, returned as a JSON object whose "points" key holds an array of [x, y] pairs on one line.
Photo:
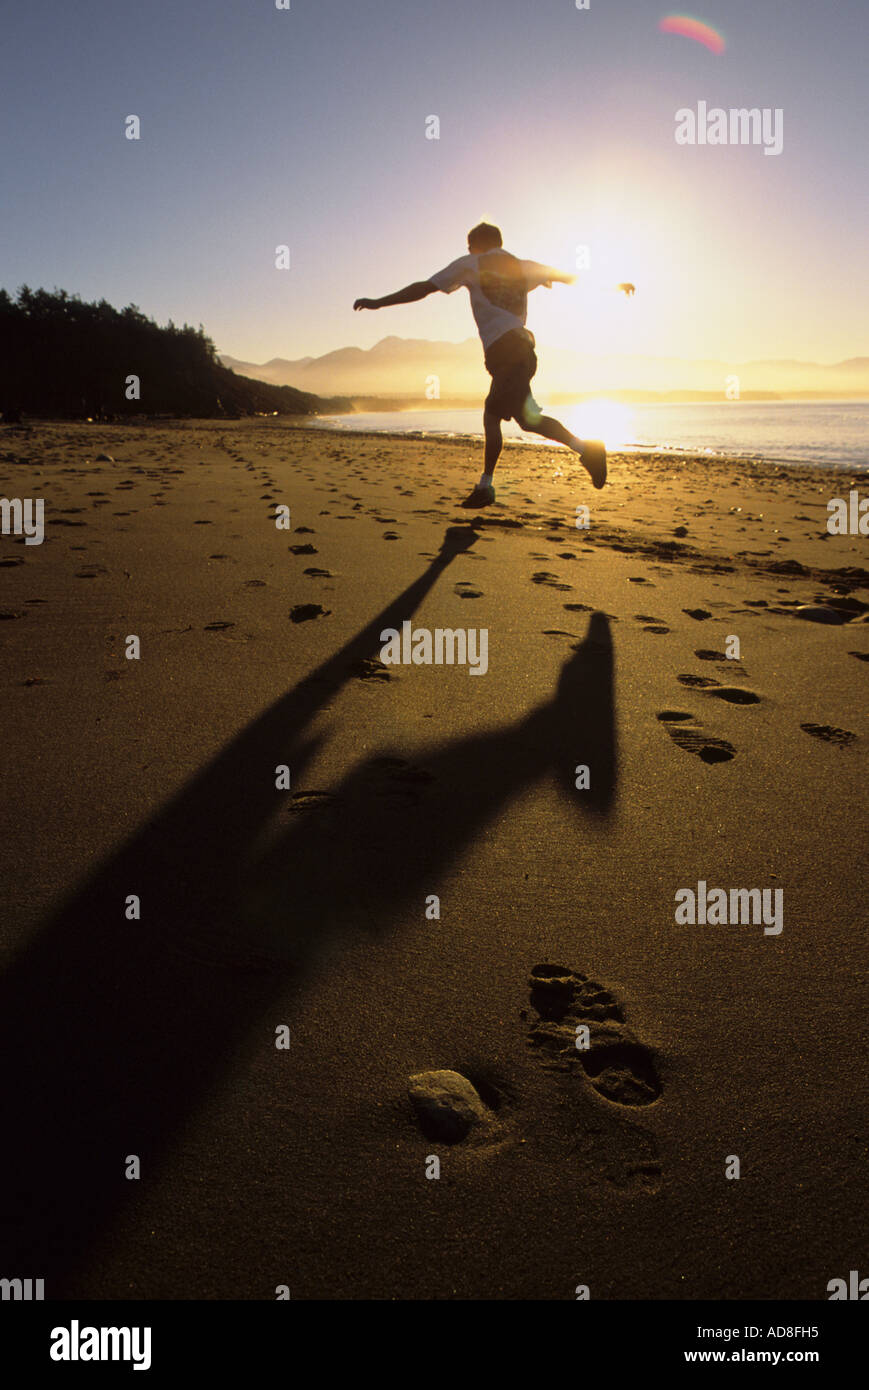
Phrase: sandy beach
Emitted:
{"points": [[311, 907]]}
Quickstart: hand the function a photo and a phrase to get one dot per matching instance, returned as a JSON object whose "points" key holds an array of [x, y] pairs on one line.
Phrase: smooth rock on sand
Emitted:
{"points": [[447, 1105]]}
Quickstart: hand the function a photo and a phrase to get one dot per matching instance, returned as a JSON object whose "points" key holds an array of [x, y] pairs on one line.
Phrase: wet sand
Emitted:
{"points": [[312, 907]]}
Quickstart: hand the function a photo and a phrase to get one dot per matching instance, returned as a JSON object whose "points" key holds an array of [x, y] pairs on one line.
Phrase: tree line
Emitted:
{"points": [[61, 356]]}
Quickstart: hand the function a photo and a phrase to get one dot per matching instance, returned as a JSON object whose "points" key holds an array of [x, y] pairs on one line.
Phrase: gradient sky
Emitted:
{"points": [[307, 127]]}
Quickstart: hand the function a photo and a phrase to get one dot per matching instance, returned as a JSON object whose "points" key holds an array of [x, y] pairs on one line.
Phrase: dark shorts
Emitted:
{"points": [[511, 362]]}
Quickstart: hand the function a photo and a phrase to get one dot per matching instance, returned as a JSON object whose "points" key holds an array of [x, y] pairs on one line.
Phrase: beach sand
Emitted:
{"points": [[306, 1166]]}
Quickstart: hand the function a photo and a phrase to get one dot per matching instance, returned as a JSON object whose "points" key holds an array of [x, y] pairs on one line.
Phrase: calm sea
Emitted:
{"points": [[826, 433]]}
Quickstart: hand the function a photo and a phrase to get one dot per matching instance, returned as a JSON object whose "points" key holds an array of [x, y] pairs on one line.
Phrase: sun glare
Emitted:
{"points": [[601, 419]]}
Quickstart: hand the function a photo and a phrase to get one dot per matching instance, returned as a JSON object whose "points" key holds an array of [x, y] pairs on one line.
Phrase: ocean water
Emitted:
{"points": [[823, 433]]}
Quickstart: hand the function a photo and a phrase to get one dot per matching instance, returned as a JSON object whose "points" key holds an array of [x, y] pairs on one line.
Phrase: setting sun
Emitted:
{"points": [[602, 419]]}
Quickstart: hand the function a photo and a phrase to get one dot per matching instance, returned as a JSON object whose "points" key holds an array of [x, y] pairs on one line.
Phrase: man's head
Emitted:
{"points": [[483, 237]]}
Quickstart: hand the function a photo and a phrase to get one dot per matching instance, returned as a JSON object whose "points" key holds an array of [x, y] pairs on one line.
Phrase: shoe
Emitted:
{"points": [[480, 497], [593, 457]]}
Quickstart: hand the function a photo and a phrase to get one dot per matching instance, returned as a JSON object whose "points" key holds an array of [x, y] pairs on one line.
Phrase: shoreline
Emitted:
{"points": [[632, 454], [317, 426]]}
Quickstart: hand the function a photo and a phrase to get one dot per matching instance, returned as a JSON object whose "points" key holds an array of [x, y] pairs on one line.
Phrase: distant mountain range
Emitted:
{"points": [[402, 367]]}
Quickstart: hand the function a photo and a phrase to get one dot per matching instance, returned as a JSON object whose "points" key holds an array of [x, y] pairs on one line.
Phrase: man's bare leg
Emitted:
{"points": [[592, 454], [494, 440], [484, 493]]}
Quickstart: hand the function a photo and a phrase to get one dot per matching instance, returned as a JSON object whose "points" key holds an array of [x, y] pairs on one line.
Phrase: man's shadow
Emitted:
{"points": [[362, 852], [112, 1031]]}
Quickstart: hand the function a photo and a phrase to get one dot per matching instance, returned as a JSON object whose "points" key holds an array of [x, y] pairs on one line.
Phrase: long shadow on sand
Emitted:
{"points": [[111, 1032]]}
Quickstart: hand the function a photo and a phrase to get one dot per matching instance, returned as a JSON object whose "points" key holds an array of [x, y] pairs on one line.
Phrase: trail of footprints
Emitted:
{"points": [[612, 1064], [688, 735], [682, 726]]}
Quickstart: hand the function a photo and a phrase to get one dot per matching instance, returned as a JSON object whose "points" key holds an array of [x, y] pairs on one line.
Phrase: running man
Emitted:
{"points": [[499, 285]]}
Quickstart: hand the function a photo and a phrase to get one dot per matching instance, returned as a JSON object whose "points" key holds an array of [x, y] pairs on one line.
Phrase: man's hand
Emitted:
{"points": [[366, 304], [553, 276]]}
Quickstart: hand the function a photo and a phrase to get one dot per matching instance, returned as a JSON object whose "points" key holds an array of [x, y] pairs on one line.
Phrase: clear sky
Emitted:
{"points": [[307, 127]]}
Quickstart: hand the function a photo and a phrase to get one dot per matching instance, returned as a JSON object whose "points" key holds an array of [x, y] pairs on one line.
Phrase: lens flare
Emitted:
{"points": [[689, 28]]}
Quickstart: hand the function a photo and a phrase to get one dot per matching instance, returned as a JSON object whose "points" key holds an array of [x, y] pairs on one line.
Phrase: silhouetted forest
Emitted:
{"points": [[63, 357]]}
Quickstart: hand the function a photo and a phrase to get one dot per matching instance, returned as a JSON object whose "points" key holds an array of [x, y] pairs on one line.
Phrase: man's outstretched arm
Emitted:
{"points": [[545, 275], [418, 290], [560, 277]]}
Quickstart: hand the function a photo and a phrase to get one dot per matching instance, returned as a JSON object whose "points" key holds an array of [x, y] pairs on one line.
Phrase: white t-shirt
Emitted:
{"points": [[498, 284]]}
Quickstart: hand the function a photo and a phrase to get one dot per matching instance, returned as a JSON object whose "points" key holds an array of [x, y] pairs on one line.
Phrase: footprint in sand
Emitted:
{"points": [[307, 802], [316, 573], [304, 612], [734, 695], [550, 580], [370, 669], [700, 682], [705, 655], [615, 1063], [303, 550], [700, 614], [506, 523], [830, 734], [706, 747], [466, 590], [861, 656]]}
